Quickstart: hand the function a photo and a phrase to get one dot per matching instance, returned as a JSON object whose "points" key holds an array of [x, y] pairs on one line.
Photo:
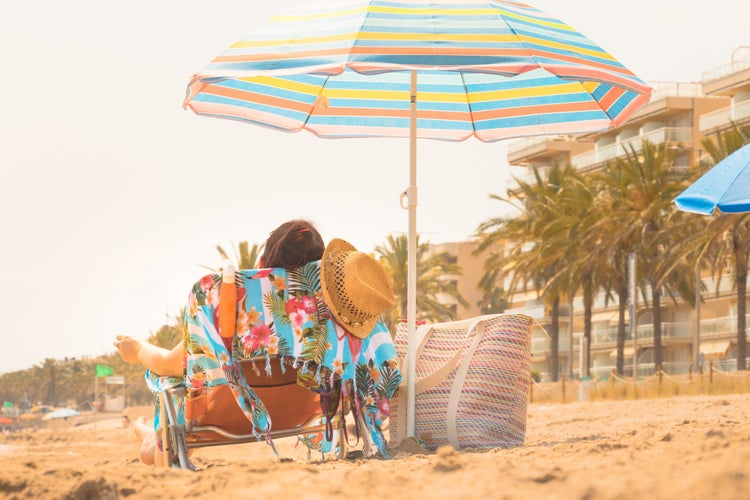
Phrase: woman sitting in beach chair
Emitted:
{"points": [[321, 315]]}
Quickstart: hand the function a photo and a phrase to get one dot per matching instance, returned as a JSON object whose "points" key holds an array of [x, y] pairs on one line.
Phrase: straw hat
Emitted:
{"points": [[355, 287]]}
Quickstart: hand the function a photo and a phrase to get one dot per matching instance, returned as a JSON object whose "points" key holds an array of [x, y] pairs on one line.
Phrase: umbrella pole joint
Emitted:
{"points": [[409, 198]]}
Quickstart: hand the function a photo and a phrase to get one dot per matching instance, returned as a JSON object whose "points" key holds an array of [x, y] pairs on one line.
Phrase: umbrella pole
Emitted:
{"points": [[411, 291]]}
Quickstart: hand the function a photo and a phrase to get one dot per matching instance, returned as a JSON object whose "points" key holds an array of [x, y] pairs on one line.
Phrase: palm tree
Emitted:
{"points": [[245, 257], [577, 242], [493, 302], [169, 335], [529, 249], [641, 206], [616, 244], [47, 380], [433, 280]]}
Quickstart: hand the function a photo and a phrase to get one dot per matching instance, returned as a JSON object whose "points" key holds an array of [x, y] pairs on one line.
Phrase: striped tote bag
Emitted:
{"points": [[472, 382]]}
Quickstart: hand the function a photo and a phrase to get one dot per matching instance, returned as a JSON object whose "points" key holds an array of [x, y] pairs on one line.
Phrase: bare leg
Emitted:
{"points": [[148, 441]]}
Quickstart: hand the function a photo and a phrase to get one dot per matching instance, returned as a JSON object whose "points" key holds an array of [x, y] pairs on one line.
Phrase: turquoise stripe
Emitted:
{"points": [[287, 113], [358, 122], [267, 90], [523, 102], [620, 104], [546, 119]]}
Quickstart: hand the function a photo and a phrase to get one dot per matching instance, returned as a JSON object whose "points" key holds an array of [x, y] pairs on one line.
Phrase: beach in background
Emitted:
{"points": [[687, 447]]}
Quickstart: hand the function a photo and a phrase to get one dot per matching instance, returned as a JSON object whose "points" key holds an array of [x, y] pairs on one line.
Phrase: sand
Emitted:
{"points": [[695, 447]]}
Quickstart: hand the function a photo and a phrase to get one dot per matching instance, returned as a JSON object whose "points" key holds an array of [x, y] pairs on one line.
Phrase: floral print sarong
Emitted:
{"points": [[283, 313]]}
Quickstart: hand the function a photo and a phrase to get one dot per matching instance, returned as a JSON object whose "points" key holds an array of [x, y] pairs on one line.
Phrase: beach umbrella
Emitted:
{"points": [[6, 421], [61, 413], [445, 70], [30, 416], [725, 187]]}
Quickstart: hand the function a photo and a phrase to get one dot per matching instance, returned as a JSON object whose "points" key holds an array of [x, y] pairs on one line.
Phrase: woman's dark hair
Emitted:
{"points": [[293, 244]]}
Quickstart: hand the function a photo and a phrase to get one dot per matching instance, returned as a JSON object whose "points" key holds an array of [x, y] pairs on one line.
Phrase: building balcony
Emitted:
{"points": [[723, 119], [727, 78], [545, 150], [597, 158]]}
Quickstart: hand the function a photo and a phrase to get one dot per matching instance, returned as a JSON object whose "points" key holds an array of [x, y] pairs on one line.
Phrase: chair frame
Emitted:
{"points": [[176, 438]]}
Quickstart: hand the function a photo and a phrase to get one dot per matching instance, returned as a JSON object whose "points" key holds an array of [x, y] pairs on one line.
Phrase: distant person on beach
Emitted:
{"points": [[291, 245]]}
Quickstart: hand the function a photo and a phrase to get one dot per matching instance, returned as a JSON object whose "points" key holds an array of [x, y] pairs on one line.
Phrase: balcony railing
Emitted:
{"points": [[675, 89], [709, 328], [522, 144], [607, 336], [668, 331], [725, 70], [534, 312], [722, 117], [726, 284], [540, 344], [658, 136], [723, 325]]}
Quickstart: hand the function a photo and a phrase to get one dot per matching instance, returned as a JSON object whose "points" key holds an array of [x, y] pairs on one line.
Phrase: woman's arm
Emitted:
{"points": [[157, 359]]}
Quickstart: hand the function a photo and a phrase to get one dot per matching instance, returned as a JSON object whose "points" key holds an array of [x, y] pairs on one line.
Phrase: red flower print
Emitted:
{"points": [[260, 336], [207, 282], [309, 304], [292, 306], [262, 273], [384, 406], [297, 319], [247, 345]]}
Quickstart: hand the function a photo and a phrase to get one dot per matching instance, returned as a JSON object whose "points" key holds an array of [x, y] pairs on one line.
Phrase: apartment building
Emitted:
{"points": [[679, 115], [467, 282]]}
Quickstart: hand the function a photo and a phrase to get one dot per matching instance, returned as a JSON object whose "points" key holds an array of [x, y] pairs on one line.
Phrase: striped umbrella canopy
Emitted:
{"points": [[491, 69], [417, 68]]}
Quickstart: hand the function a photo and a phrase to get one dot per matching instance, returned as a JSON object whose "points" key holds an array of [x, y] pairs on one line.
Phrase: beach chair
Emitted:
{"points": [[264, 360], [214, 419]]}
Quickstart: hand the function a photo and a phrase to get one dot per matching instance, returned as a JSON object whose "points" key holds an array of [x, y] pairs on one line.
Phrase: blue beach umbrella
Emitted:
{"points": [[61, 413], [726, 187]]}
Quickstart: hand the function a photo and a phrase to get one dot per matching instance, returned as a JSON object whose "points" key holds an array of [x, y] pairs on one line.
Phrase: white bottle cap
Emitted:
{"points": [[228, 272]]}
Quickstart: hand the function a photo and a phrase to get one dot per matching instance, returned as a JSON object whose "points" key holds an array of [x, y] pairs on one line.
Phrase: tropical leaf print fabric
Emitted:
{"points": [[283, 313]]}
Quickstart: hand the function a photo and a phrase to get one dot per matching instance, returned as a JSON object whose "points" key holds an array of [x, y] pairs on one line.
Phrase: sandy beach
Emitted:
{"points": [[689, 447]]}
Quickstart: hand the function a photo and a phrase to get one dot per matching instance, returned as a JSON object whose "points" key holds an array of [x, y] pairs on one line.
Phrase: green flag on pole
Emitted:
{"points": [[103, 371], [8, 404]]}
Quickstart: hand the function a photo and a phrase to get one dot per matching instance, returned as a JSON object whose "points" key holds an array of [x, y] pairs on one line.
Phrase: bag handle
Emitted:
{"points": [[458, 384], [423, 334], [431, 380]]}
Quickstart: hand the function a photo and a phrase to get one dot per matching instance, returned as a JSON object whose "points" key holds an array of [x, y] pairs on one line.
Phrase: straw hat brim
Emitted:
{"points": [[333, 251]]}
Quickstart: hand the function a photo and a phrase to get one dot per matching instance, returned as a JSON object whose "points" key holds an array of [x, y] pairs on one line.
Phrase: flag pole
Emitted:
{"points": [[96, 397]]}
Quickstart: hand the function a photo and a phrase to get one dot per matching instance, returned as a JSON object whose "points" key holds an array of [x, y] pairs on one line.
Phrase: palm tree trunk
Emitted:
{"points": [[554, 338], [622, 297], [588, 305], [740, 259], [656, 305]]}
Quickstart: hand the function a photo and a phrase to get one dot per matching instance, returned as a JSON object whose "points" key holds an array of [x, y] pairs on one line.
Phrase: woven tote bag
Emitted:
{"points": [[472, 382]]}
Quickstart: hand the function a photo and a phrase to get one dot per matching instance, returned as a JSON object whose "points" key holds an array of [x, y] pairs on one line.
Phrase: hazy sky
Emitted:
{"points": [[112, 196]]}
